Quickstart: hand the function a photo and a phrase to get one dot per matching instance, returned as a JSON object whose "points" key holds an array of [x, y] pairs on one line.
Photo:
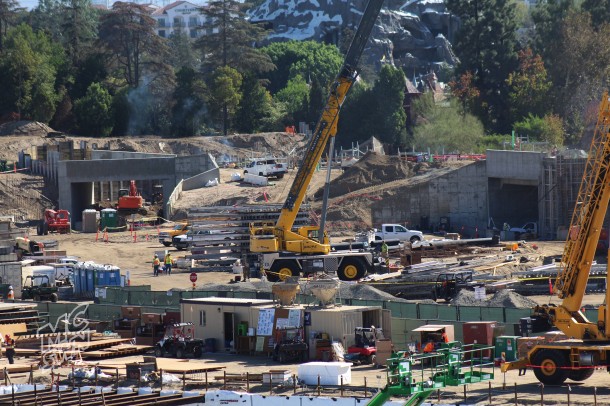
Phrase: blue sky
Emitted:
{"points": [[29, 4]]}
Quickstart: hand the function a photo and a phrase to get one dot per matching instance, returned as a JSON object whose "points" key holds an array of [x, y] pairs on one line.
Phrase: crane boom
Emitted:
{"points": [[304, 240], [583, 235]]}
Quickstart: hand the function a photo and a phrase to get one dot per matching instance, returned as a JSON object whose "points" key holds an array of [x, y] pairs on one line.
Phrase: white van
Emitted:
{"points": [[268, 167]]}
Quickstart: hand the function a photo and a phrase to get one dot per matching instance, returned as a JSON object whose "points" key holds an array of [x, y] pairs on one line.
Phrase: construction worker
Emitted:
{"points": [[168, 263], [384, 252], [11, 293], [156, 265], [10, 349], [444, 337], [245, 268], [429, 347]]}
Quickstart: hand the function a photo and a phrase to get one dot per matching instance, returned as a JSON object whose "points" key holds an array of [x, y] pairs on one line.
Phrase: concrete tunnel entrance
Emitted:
{"points": [[82, 198], [512, 202]]}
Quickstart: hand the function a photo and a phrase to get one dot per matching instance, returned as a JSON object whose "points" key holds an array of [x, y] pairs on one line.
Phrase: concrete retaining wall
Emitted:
{"points": [[172, 199], [460, 195], [199, 181]]}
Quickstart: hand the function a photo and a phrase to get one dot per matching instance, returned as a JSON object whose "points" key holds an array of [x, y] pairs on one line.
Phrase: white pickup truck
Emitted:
{"points": [[398, 232], [266, 167]]}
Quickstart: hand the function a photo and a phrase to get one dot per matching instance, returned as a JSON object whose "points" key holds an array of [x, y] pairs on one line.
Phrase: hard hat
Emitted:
{"points": [[10, 288]]}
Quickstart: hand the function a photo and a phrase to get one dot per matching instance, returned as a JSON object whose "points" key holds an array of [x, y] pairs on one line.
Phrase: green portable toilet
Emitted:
{"points": [[508, 346], [109, 219]]}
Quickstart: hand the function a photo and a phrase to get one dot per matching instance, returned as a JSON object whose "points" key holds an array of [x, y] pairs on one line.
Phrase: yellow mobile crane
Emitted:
{"points": [[290, 253], [589, 344]]}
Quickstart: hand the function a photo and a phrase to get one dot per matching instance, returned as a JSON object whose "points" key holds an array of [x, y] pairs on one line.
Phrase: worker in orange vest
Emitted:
{"points": [[429, 347], [10, 349]]}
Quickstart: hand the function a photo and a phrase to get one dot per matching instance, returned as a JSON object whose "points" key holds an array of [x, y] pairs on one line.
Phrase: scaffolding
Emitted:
{"points": [[560, 184]]}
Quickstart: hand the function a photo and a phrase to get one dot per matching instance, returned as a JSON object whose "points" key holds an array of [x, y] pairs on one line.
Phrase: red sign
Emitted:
{"points": [[193, 277]]}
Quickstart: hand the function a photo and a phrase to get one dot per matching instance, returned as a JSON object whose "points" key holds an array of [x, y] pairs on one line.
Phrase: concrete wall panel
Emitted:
{"points": [[510, 164]]}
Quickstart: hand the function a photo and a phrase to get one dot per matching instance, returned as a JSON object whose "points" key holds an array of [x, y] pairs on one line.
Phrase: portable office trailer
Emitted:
{"points": [[218, 318], [340, 322]]}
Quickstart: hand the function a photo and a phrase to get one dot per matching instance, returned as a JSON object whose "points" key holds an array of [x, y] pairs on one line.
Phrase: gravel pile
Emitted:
{"points": [[346, 290], [502, 298], [508, 298]]}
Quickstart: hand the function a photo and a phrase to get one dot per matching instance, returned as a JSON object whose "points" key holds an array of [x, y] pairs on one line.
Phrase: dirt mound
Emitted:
{"points": [[30, 128], [371, 169], [502, 298]]}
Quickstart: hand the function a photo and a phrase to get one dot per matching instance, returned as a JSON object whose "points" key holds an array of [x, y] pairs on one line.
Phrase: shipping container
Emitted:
{"points": [[482, 333]]}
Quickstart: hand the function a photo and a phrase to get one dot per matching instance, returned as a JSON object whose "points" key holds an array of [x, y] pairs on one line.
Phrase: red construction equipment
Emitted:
{"points": [[54, 220], [130, 199]]}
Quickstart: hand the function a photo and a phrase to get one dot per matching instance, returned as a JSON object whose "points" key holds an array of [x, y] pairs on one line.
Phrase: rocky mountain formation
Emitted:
{"points": [[411, 34]]}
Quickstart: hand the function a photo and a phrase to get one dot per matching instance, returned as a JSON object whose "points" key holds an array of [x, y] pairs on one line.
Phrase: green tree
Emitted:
{"points": [[79, 28], [190, 106], [548, 17], [229, 37], [254, 108], [28, 70], [8, 15], [295, 97], [225, 94], [314, 61], [529, 86], [94, 112], [447, 129], [47, 17], [486, 46], [390, 116], [548, 129], [134, 50], [357, 120], [182, 52], [575, 85], [599, 10]]}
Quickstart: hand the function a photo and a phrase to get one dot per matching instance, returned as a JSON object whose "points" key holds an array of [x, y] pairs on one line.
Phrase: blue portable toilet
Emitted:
{"points": [[76, 280], [83, 281], [114, 276]]}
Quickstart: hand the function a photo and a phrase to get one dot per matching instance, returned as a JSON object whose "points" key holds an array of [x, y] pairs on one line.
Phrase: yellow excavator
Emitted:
{"points": [[588, 346], [286, 252]]}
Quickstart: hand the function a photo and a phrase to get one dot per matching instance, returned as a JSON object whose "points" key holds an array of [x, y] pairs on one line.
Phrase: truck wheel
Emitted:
{"points": [[434, 297], [37, 298], [415, 239], [549, 367], [281, 270], [179, 352], [351, 269], [580, 375], [260, 174], [371, 359], [167, 244], [45, 228], [280, 176], [197, 351], [54, 297], [39, 228], [159, 351]]}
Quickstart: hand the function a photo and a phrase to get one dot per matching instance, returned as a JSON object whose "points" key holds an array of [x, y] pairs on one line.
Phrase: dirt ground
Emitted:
{"points": [[136, 257]]}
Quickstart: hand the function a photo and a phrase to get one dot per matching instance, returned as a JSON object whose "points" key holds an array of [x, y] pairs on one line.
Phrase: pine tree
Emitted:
{"points": [[229, 37], [486, 46]]}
